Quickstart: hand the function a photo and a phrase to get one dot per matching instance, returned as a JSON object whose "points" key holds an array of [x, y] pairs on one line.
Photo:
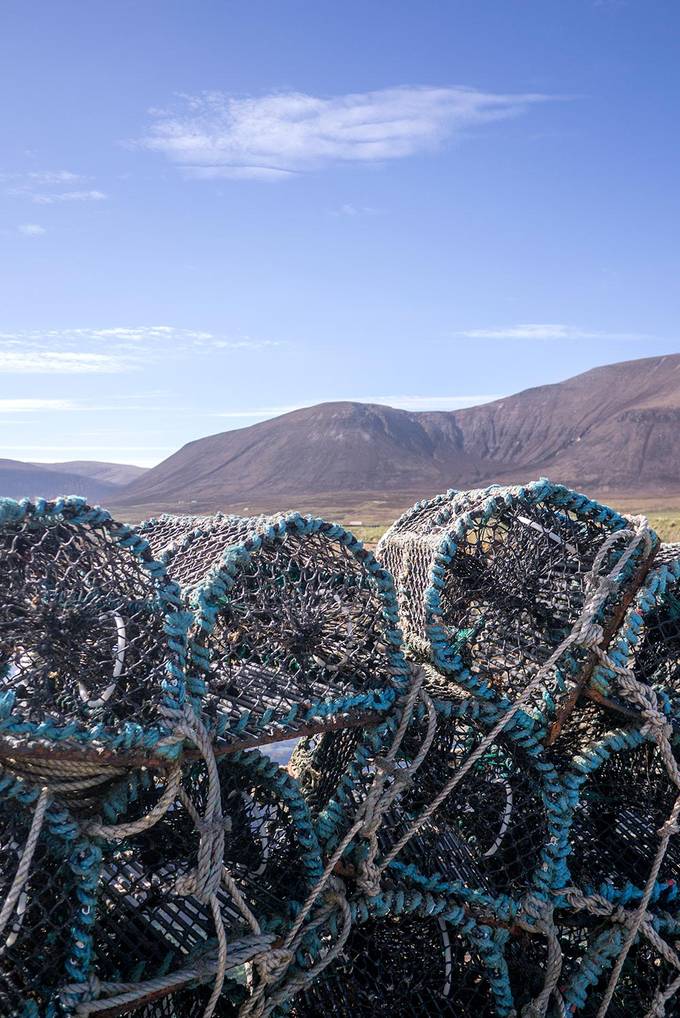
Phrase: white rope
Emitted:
{"points": [[23, 869]]}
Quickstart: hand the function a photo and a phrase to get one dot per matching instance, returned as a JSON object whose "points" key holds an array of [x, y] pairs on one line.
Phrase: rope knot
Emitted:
{"points": [[273, 964]]}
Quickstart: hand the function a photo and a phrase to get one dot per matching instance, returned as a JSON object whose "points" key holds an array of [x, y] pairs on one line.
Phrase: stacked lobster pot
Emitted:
{"points": [[480, 819], [156, 861]]}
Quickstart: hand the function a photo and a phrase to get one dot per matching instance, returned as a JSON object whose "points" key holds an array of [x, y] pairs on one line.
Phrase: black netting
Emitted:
{"points": [[82, 622], [37, 938], [296, 619], [512, 581], [402, 966], [146, 924]]}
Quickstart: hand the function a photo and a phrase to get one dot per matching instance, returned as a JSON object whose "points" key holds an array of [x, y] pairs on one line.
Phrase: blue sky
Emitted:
{"points": [[212, 212]]}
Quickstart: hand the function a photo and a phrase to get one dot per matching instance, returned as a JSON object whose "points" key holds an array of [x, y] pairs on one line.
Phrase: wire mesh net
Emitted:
{"points": [[403, 965], [83, 646], [150, 920], [295, 622], [121, 879], [648, 642], [490, 586], [622, 797], [44, 930]]}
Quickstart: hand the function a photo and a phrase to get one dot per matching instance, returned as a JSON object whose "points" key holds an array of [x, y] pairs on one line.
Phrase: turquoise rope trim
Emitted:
{"points": [[489, 943], [167, 600], [259, 771], [599, 957], [583, 765], [661, 585], [84, 860], [445, 643], [210, 596]]}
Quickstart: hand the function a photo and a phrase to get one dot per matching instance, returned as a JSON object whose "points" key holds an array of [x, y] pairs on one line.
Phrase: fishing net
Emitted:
{"points": [[433, 848], [648, 643], [84, 616], [152, 918], [295, 625], [620, 796], [490, 586], [646, 979], [46, 917], [412, 966]]}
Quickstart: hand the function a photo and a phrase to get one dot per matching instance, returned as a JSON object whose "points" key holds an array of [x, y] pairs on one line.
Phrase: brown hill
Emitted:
{"points": [[118, 474], [612, 429], [92, 480]]}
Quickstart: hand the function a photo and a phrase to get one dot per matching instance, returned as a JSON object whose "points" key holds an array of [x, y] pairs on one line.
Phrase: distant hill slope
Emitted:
{"points": [[118, 474], [614, 428], [18, 479]]}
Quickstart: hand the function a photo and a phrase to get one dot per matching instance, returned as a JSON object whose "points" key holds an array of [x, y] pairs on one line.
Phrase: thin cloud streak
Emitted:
{"points": [[111, 350], [272, 137], [542, 331]]}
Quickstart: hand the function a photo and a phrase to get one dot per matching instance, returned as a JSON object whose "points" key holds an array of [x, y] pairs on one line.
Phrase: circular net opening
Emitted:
{"points": [[81, 626], [146, 926], [515, 588]]}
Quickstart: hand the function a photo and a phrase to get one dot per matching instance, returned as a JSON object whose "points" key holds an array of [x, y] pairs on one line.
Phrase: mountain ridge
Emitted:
{"points": [[612, 428]]}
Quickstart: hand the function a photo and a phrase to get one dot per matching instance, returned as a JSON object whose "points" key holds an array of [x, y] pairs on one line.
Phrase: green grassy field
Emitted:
{"points": [[666, 522], [369, 516]]}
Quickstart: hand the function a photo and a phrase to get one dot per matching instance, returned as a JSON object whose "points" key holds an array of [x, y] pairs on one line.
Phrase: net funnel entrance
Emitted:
{"points": [[490, 586], [295, 626], [90, 648]]}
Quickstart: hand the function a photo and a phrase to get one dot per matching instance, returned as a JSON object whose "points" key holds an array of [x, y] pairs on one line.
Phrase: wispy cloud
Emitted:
{"points": [[60, 196], [111, 350], [54, 177], [27, 406], [31, 230], [46, 362], [540, 331], [49, 187], [274, 136], [351, 210]]}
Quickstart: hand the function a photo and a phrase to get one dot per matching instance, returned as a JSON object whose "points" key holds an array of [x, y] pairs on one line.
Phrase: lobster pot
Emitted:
{"points": [[493, 829], [45, 932], [151, 921], [490, 586], [295, 626], [644, 978], [168, 533], [84, 651], [491, 832], [412, 966], [648, 642], [620, 795]]}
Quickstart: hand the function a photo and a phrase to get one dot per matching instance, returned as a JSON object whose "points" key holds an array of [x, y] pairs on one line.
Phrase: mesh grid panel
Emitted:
{"points": [[489, 588], [269, 850], [295, 621], [402, 966], [82, 624]]}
